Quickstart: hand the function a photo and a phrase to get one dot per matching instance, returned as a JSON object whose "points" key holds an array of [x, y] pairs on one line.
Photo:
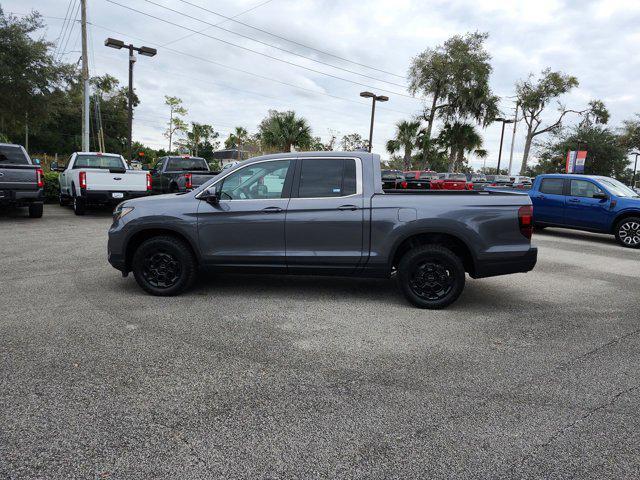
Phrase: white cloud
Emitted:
{"points": [[595, 40]]}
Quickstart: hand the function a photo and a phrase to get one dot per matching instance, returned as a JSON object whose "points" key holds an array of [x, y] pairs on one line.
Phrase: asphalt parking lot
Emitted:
{"points": [[527, 376]]}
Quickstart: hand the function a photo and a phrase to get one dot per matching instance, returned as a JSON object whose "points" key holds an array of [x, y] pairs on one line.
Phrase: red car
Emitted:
{"points": [[451, 181]]}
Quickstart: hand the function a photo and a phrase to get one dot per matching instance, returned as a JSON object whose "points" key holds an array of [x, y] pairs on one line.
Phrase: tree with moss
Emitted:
{"points": [[454, 79], [176, 123]]}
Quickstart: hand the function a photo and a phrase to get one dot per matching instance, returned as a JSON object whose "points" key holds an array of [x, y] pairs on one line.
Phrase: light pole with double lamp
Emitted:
{"points": [[504, 122], [374, 98], [147, 52]]}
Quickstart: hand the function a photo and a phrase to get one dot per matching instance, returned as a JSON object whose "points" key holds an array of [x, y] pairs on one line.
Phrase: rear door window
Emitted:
{"points": [[12, 155], [552, 186], [320, 178]]}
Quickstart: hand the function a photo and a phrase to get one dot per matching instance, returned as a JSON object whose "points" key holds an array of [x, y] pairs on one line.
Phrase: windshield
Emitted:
{"points": [[187, 163], [391, 175], [619, 189], [99, 161], [13, 154]]}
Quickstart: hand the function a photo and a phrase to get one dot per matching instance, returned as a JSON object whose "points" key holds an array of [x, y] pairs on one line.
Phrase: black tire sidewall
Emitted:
{"points": [[617, 233], [35, 210], [79, 207], [179, 250], [419, 254]]}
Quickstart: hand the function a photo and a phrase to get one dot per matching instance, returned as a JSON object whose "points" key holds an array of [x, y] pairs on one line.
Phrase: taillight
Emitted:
{"points": [[525, 220], [188, 183], [404, 184], [149, 184], [83, 179], [39, 177]]}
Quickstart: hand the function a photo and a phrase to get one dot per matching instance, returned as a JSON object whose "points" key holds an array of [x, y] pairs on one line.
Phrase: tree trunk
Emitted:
{"points": [[407, 158], [430, 120], [452, 159], [527, 148]]}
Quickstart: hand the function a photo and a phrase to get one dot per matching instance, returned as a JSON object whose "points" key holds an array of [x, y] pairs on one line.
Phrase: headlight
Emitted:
{"points": [[120, 212]]}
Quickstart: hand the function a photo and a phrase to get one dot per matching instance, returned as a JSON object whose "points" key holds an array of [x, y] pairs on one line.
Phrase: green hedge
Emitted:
{"points": [[51, 187]]}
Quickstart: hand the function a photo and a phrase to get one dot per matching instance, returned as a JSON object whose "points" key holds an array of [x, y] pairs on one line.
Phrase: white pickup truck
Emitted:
{"points": [[99, 179]]}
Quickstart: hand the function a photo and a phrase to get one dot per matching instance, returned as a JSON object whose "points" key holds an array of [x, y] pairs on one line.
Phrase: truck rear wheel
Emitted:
{"points": [[164, 266], [628, 232], [35, 210], [79, 207], [431, 276]]}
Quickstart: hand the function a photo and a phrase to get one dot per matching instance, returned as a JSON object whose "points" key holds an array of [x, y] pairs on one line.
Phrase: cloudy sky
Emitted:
{"points": [[226, 78]]}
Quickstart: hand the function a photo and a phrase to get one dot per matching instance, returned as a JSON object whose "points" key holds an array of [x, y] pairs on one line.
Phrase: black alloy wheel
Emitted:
{"points": [[161, 270], [431, 276]]}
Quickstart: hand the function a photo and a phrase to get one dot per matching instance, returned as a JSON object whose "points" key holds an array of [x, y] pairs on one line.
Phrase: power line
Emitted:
{"points": [[253, 74], [66, 15], [290, 52], [70, 30], [264, 54], [232, 19], [219, 23]]}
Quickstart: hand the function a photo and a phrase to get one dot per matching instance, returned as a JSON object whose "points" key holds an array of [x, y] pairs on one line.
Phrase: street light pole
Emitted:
{"points": [[504, 122], [374, 98], [85, 79], [147, 52], [635, 168]]}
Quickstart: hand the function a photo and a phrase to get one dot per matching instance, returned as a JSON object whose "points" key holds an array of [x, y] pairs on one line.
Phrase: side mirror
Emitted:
{"points": [[601, 196], [54, 166], [211, 195], [36, 161]]}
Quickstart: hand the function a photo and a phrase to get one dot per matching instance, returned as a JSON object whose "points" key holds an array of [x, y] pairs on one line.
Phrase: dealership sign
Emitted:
{"points": [[576, 160]]}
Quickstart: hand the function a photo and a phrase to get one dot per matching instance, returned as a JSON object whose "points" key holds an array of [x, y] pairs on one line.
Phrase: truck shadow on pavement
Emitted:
{"points": [[550, 234], [477, 295]]}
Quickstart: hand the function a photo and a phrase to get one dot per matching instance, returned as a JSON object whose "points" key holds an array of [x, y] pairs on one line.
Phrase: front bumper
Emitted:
{"points": [[506, 263]]}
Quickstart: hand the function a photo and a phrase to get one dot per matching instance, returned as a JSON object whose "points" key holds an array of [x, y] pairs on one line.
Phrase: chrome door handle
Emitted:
{"points": [[347, 207], [272, 210]]}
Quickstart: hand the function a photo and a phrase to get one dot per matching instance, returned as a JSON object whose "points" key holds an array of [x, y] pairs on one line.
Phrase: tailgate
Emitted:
{"points": [[198, 179], [18, 177], [105, 181]]}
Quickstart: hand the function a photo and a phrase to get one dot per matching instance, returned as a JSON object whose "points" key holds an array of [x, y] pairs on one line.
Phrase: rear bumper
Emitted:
{"points": [[506, 263], [104, 197], [21, 197]]}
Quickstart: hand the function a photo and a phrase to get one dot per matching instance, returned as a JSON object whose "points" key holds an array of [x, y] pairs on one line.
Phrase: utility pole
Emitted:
{"points": [[26, 133], [513, 137], [85, 80]]}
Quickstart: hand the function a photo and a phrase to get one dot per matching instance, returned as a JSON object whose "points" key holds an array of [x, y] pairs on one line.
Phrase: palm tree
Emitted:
{"points": [[459, 138], [406, 139], [283, 130], [236, 139]]}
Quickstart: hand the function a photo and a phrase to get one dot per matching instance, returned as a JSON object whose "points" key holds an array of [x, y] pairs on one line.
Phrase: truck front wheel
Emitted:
{"points": [[164, 266], [431, 276], [628, 232]]}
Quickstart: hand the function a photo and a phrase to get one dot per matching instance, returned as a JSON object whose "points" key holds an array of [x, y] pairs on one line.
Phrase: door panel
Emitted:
{"points": [[324, 228], [549, 202], [247, 226], [582, 210]]}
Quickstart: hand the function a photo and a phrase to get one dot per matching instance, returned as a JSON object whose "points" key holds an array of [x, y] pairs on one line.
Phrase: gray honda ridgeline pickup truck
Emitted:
{"points": [[323, 213]]}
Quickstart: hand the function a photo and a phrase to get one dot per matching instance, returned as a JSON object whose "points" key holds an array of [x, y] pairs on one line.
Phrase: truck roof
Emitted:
{"points": [[322, 154], [571, 175]]}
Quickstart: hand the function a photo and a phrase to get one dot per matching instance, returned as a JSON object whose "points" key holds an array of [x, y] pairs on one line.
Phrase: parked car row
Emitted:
{"points": [[94, 178], [430, 180]]}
